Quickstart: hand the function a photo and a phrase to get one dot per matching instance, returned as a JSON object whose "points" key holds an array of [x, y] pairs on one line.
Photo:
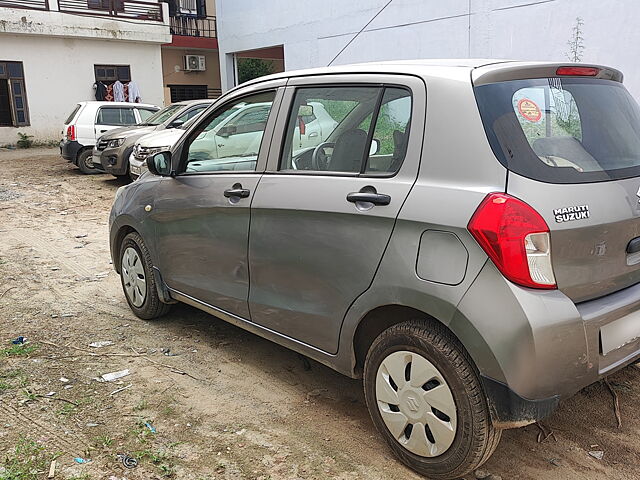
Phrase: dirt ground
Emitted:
{"points": [[223, 403]]}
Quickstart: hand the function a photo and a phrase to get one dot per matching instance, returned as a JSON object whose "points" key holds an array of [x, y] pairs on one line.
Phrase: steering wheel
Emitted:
{"points": [[319, 158]]}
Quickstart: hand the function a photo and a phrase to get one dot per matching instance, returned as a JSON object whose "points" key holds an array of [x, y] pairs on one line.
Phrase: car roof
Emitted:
{"points": [[195, 102], [117, 104], [426, 68]]}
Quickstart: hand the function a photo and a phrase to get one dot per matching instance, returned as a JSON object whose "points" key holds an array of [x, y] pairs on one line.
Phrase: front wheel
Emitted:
{"points": [[138, 281], [85, 162], [425, 398]]}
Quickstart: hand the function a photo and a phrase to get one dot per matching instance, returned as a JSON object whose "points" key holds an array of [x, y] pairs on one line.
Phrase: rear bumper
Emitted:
{"points": [[534, 348], [69, 150]]}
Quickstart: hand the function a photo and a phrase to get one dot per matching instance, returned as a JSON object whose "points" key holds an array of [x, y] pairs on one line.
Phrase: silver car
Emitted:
{"points": [[466, 239]]}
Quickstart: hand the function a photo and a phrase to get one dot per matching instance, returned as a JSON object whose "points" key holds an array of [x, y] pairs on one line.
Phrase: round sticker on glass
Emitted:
{"points": [[529, 110]]}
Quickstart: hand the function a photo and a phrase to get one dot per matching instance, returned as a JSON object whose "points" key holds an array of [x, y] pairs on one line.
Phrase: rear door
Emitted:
{"points": [[572, 145], [320, 224], [109, 118]]}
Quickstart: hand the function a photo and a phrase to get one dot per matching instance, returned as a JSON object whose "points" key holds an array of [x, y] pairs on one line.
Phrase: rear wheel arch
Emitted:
{"points": [[80, 152], [380, 318], [377, 321]]}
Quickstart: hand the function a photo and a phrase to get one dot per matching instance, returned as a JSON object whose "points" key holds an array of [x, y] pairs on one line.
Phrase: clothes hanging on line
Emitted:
{"points": [[100, 90], [134, 92], [118, 92]]}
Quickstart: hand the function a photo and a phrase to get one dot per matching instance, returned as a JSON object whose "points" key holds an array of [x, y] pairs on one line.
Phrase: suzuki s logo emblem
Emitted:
{"points": [[412, 404]]}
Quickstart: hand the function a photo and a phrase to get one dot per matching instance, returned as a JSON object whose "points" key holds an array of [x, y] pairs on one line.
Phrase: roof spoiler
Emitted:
{"points": [[514, 71]]}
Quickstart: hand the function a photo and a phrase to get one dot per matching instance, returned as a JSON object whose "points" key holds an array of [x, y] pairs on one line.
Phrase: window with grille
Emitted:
{"points": [[108, 74], [187, 92]]}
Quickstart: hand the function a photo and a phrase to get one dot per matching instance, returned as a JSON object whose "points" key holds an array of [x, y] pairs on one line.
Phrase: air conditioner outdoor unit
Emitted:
{"points": [[194, 63]]}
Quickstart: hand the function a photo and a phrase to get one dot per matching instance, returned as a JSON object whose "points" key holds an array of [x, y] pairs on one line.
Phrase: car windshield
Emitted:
{"points": [[162, 115], [563, 130]]}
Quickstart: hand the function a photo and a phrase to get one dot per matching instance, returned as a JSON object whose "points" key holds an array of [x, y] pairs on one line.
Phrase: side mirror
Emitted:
{"points": [[375, 147], [305, 110], [176, 124], [160, 164], [227, 131]]}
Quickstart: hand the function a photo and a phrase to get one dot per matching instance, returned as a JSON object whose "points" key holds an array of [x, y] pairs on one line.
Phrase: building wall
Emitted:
{"points": [[514, 29], [173, 73], [59, 72]]}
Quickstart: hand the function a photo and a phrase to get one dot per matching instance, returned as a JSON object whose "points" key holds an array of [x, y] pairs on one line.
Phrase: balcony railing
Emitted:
{"points": [[114, 8], [29, 4], [193, 27]]}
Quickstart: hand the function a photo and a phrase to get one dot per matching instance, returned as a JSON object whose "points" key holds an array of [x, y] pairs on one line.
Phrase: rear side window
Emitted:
{"points": [[360, 130], [116, 116], [72, 115], [563, 130]]}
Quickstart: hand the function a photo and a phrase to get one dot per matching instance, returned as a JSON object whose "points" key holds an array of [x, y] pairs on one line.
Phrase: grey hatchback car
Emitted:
{"points": [[466, 239]]}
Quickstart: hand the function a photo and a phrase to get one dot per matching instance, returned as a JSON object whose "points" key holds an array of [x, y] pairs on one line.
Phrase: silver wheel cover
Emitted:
{"points": [[133, 279], [419, 412]]}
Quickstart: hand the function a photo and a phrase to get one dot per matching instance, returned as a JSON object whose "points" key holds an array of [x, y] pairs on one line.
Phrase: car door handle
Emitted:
{"points": [[103, 131], [237, 191], [371, 197], [313, 134]]}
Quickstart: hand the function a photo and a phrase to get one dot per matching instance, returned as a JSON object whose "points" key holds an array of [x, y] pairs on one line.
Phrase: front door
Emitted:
{"points": [[321, 220], [202, 216]]}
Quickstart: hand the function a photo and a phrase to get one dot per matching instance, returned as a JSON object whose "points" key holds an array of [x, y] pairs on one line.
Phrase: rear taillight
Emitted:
{"points": [[302, 126], [516, 238], [578, 71], [71, 133]]}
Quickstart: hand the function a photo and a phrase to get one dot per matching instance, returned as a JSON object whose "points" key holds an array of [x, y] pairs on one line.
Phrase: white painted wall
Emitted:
{"points": [[56, 24], [314, 32], [59, 73]]}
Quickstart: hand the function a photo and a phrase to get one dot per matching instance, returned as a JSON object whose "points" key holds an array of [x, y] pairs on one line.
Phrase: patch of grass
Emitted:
{"points": [[27, 461], [160, 458], [29, 396], [11, 373], [5, 386], [103, 441], [67, 409], [142, 405], [18, 350], [169, 411], [84, 476]]}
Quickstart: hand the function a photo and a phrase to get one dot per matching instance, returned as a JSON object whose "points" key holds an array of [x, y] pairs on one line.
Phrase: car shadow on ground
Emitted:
{"points": [[575, 423], [310, 378]]}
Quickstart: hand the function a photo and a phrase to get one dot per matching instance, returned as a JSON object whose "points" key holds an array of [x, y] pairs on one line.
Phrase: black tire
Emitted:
{"points": [[85, 164], [152, 307], [475, 438]]}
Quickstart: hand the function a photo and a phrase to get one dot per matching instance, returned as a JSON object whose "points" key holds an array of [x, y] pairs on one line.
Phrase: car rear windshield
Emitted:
{"points": [[72, 115], [162, 115], [562, 130]]}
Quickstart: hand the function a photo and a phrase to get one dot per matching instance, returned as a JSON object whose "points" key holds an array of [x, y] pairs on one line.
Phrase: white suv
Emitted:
{"points": [[90, 120]]}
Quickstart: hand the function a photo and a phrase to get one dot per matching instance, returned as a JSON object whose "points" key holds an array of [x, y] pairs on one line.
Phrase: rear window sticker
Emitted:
{"points": [[529, 110]]}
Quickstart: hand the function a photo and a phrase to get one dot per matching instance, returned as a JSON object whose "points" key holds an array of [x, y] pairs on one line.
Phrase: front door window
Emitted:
{"points": [[229, 140]]}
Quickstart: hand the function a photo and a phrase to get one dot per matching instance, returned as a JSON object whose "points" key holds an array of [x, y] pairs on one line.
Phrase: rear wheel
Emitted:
{"points": [[138, 281], [425, 398], [85, 162]]}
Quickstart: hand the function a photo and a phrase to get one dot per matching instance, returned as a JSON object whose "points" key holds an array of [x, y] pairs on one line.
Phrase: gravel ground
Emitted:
{"points": [[202, 399]]}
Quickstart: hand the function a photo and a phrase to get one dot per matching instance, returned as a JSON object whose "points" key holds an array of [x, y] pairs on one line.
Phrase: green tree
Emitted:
{"points": [[250, 68]]}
